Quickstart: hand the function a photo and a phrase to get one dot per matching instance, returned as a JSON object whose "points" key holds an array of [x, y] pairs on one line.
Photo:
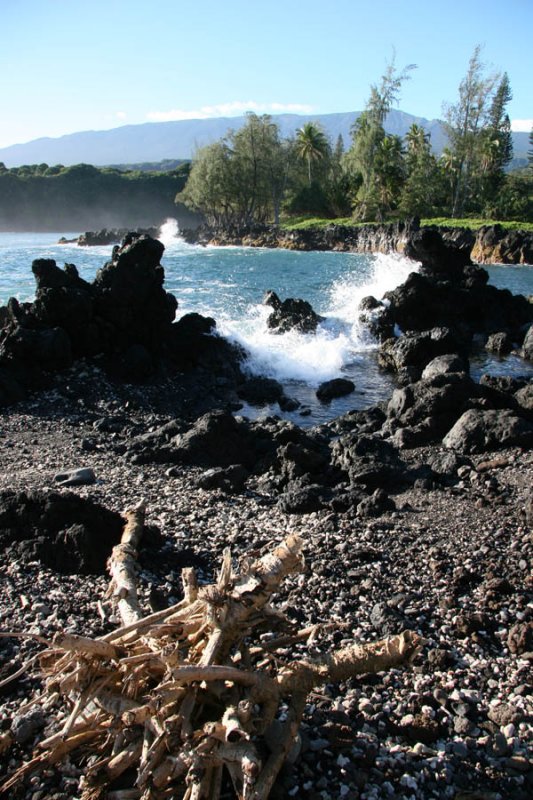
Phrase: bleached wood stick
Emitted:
{"points": [[86, 646], [269, 773], [189, 582], [302, 676], [123, 566]]}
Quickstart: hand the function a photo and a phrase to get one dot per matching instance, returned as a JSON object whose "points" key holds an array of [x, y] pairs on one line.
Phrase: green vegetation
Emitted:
{"points": [[374, 162], [476, 224], [311, 145], [83, 197], [307, 223], [254, 176]]}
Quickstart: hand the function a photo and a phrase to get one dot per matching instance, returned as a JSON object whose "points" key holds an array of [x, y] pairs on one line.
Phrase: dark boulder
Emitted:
{"points": [[64, 299], [65, 532], [10, 389], [476, 431], [445, 463], [503, 384], [387, 620], [440, 394], [291, 314], [367, 420], [136, 364], [260, 391], [416, 350], [376, 504], [296, 459], [338, 387], [230, 480], [527, 346], [49, 276], [216, 439], [499, 343], [193, 342], [369, 303], [368, 461], [110, 236], [444, 365], [302, 500], [271, 299], [423, 302], [429, 407], [524, 397]]}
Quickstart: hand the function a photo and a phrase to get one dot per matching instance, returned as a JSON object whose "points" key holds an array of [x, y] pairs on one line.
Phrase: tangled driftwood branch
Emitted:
{"points": [[179, 703]]}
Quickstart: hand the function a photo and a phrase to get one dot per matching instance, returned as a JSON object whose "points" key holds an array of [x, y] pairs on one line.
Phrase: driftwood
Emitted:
{"points": [[183, 700]]}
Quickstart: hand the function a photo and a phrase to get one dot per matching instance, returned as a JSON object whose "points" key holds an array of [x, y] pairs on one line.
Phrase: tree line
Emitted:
{"points": [[254, 175], [83, 197]]}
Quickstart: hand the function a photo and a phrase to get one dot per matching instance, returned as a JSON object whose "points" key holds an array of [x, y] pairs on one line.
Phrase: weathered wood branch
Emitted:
{"points": [[123, 567], [182, 695]]}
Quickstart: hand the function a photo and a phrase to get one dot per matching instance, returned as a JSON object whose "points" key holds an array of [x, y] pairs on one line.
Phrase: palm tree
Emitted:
{"points": [[311, 144], [417, 139]]}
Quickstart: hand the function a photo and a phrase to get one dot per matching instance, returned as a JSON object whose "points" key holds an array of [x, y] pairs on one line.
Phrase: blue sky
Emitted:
{"points": [[72, 65]]}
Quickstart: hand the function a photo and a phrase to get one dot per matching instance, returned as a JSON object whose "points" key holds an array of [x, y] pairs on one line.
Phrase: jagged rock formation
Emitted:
{"points": [[291, 314], [124, 316], [489, 245]]}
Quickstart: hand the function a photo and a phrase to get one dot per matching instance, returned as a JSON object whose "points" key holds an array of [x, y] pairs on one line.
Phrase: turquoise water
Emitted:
{"points": [[229, 284]]}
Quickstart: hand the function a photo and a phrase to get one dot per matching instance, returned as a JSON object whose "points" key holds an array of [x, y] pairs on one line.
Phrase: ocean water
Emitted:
{"points": [[229, 284]]}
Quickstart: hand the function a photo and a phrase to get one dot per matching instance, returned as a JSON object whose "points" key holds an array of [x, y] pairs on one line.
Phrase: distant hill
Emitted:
{"points": [[174, 141]]}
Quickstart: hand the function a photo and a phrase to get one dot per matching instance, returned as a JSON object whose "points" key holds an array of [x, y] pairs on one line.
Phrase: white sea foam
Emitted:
{"points": [[169, 231], [314, 358]]}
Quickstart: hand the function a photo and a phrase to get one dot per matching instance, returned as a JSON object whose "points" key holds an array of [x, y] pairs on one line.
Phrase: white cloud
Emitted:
{"points": [[522, 125], [235, 108]]}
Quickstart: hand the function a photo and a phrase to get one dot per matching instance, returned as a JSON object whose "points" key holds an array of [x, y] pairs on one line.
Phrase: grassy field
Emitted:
{"points": [[305, 223]]}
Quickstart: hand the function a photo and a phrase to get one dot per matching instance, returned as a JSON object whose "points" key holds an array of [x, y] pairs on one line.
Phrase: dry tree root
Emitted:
{"points": [[183, 700]]}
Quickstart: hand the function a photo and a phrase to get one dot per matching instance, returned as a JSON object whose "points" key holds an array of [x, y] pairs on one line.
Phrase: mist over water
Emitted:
{"points": [[229, 284]]}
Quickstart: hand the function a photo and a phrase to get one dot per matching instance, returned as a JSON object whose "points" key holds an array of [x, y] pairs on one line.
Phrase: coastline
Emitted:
{"points": [[489, 245], [402, 529], [451, 562]]}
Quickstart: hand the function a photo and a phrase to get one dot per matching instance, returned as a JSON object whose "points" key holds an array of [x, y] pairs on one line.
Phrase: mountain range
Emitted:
{"points": [[157, 141]]}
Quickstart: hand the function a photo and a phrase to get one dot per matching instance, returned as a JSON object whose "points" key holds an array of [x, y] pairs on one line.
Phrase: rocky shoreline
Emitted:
{"points": [[417, 513], [491, 244]]}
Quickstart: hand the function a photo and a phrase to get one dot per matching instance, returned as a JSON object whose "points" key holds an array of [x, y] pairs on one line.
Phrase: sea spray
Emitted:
{"points": [[229, 284], [340, 340], [169, 231]]}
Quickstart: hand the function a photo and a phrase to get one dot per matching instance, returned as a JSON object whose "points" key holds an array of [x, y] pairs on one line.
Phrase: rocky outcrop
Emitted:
{"points": [[494, 245], [410, 353], [489, 245], [124, 316], [422, 412], [465, 305], [68, 533], [106, 236], [291, 314], [356, 239], [477, 430]]}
